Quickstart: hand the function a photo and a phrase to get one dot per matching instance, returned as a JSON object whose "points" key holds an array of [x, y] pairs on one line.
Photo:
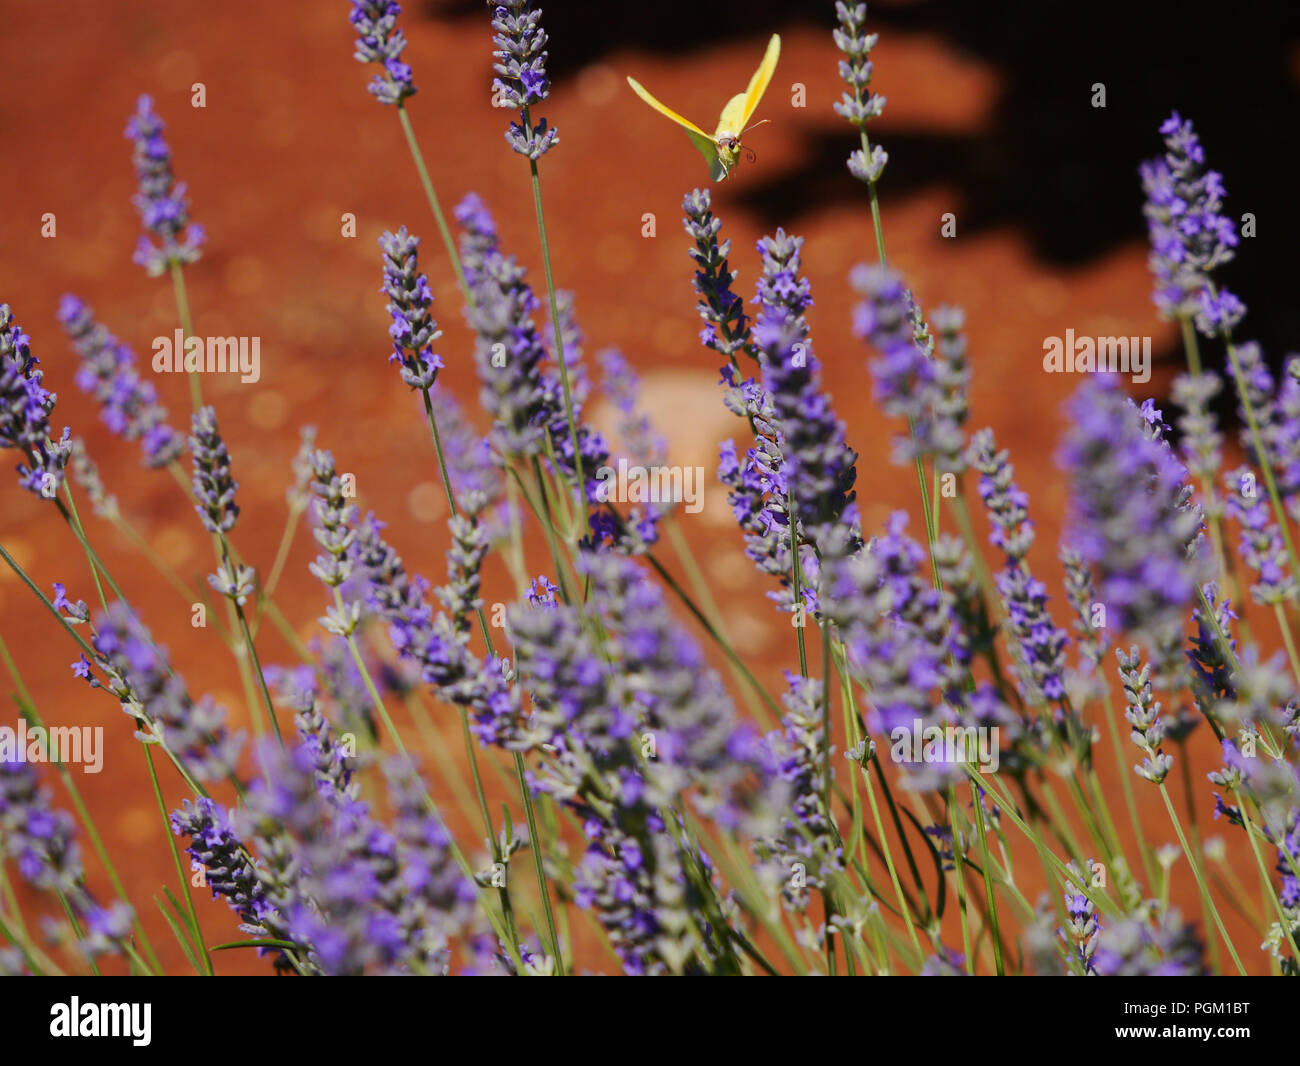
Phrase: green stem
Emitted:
{"points": [[436, 207], [187, 330], [992, 908], [796, 584], [1200, 878], [176, 859], [580, 495]]}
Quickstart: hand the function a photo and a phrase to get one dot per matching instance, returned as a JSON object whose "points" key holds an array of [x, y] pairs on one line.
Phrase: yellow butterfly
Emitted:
{"points": [[722, 150]]}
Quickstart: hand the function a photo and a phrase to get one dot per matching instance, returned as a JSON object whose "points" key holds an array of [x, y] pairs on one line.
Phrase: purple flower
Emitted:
{"points": [[438, 900], [1188, 232], [796, 756], [1277, 417], [1082, 929], [42, 842], [727, 331], [640, 528], [953, 375], [904, 643], [161, 200], [409, 298], [1261, 542], [509, 351], [1132, 519], [76, 612], [139, 675], [216, 849], [437, 645], [816, 462], [632, 725], [909, 382], [1202, 443], [635, 428], [129, 406], [1212, 669], [1143, 714], [541, 592], [41, 839], [332, 870], [1041, 658], [380, 41], [214, 488], [469, 547], [335, 531], [25, 408], [521, 81], [592, 449], [860, 105], [759, 484], [1092, 641], [757, 493], [1138, 946], [524, 397]]}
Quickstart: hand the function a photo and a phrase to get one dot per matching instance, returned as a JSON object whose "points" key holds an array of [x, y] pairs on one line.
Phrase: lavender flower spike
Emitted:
{"points": [[138, 674], [161, 201], [861, 105], [1133, 521], [129, 406], [1041, 659], [25, 408], [509, 350], [521, 79], [727, 329], [817, 462], [525, 399], [797, 757], [1189, 234], [1261, 543], [1143, 713], [907, 381], [214, 489], [409, 298], [215, 848], [42, 840], [380, 41]]}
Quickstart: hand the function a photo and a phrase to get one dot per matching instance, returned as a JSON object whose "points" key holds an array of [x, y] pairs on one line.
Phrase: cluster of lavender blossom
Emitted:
{"points": [[698, 838]]}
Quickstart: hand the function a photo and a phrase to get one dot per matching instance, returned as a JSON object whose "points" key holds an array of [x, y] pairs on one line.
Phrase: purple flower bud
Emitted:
{"points": [[161, 200], [129, 406], [409, 298], [214, 488], [380, 41], [860, 105], [25, 408], [1188, 233], [521, 81]]}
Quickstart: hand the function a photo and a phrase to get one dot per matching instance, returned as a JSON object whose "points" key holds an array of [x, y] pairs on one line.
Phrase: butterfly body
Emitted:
{"points": [[722, 150]]}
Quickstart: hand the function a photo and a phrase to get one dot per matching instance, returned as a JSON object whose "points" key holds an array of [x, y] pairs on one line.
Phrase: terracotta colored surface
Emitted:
{"points": [[289, 141]]}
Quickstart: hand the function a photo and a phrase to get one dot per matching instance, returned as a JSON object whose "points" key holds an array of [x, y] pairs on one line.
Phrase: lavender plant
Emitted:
{"points": [[615, 807]]}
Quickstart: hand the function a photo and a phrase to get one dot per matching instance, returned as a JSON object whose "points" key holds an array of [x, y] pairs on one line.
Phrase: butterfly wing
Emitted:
{"points": [[698, 137], [741, 107]]}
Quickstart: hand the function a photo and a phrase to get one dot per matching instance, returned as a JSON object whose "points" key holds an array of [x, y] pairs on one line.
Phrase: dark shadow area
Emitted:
{"points": [[1048, 164]]}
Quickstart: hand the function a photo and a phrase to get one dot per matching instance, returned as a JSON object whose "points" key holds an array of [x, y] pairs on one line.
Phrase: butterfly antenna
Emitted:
{"points": [[760, 122]]}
